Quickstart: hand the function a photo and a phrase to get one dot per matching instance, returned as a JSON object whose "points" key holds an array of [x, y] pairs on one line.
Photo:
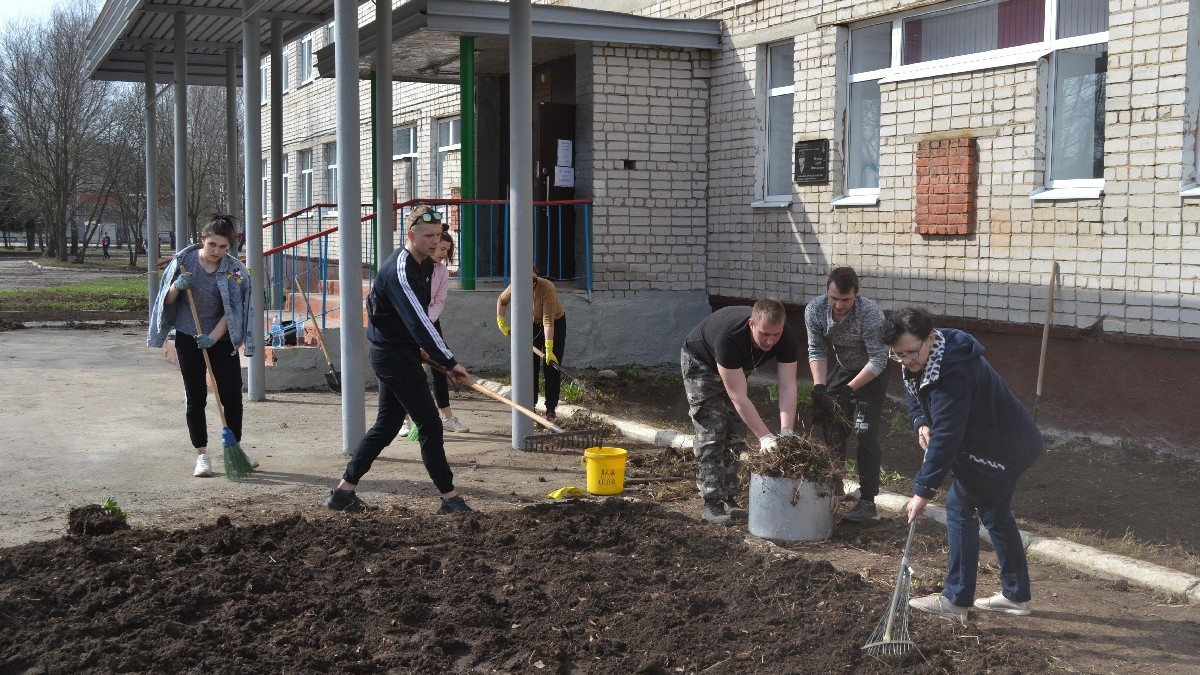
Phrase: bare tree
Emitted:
{"points": [[58, 116]]}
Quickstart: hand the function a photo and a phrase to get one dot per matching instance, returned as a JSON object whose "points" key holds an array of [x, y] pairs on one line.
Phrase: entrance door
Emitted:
{"points": [[554, 226]]}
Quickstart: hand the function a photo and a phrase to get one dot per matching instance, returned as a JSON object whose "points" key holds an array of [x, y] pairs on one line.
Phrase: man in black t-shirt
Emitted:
{"points": [[716, 358]]}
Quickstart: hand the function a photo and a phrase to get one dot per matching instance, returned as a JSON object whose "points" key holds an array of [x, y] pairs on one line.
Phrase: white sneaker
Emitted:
{"points": [[405, 428], [203, 467], [999, 603], [938, 605], [452, 424], [253, 462]]}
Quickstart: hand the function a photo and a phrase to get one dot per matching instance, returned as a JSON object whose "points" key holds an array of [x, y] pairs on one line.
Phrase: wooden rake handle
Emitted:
{"points": [[474, 384], [313, 319], [207, 362]]}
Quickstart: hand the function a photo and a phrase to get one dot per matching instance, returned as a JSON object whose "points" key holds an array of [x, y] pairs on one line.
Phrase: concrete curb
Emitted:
{"points": [[1085, 559]]}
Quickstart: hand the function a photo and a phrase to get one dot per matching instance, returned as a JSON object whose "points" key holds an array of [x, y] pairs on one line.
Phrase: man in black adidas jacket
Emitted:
{"points": [[399, 332]]}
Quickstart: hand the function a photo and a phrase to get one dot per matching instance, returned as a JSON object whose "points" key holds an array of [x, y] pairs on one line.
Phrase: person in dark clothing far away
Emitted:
{"points": [[401, 334], [970, 424]]}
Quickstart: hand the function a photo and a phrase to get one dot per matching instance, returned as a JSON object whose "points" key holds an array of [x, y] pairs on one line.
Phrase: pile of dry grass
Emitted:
{"points": [[804, 457]]}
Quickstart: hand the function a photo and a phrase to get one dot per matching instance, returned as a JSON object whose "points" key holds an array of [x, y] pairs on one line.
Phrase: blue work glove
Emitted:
{"points": [[227, 437], [205, 341], [182, 282]]}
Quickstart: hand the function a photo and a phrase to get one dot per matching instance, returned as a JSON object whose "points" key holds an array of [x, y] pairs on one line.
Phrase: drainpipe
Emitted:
{"points": [[467, 237]]}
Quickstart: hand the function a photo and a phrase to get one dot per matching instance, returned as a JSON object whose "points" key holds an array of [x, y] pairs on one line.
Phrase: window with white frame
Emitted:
{"points": [[286, 70], [449, 139], [404, 149], [304, 159], [264, 73], [266, 189], [328, 33], [285, 184], [304, 60], [988, 34], [781, 89], [331, 176]]}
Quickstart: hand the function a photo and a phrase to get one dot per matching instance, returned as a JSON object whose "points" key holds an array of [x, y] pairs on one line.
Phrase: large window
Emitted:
{"points": [[781, 88], [305, 161], [404, 150], [980, 35], [304, 60]]}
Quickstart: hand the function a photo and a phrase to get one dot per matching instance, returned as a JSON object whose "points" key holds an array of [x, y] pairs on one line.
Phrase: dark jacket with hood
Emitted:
{"points": [[977, 427], [397, 308]]}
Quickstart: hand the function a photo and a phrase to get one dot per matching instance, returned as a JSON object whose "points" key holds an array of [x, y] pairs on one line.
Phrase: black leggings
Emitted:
{"points": [[552, 374], [227, 368]]}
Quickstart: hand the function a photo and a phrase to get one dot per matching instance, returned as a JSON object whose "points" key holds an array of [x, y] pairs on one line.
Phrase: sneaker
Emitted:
{"points": [[736, 512], [405, 428], [999, 603], [551, 415], [452, 506], [851, 496], [863, 512], [347, 501], [714, 512], [939, 606], [203, 467], [452, 424], [250, 460]]}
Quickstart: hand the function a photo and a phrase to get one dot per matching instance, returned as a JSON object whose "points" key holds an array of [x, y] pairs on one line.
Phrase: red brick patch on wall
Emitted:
{"points": [[946, 182]]}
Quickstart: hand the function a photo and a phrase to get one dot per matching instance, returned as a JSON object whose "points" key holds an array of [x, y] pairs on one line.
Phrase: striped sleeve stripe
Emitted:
{"points": [[415, 303]]}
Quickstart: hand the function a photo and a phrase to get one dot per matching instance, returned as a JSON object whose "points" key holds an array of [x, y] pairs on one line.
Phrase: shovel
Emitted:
{"points": [[331, 378]]}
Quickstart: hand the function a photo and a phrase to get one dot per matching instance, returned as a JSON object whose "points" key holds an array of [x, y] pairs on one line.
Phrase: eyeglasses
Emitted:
{"points": [[909, 354]]}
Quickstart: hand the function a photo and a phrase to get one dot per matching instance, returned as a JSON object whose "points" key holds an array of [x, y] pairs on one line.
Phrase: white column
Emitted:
{"points": [[183, 235], [252, 150], [349, 193], [520, 198], [384, 242], [151, 177]]}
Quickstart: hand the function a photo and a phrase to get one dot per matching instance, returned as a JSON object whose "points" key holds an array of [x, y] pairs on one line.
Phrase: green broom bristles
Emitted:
{"points": [[237, 465], [413, 433]]}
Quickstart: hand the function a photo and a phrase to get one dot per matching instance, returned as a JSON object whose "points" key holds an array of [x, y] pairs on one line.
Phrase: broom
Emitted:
{"points": [[237, 466]]}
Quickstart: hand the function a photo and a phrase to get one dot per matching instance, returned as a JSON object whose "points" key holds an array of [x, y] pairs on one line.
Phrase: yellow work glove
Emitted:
{"points": [[550, 357], [503, 324]]}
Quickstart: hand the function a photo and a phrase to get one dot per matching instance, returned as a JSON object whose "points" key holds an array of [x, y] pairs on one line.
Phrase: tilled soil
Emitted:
{"points": [[614, 586]]}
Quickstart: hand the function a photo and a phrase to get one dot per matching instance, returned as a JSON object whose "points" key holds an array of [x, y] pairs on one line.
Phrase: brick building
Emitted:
{"points": [[952, 152]]}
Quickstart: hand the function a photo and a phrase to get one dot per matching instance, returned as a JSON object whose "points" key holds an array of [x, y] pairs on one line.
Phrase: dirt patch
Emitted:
{"points": [[609, 587], [94, 519]]}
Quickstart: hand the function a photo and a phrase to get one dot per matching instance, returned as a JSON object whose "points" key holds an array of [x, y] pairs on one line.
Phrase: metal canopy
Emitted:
{"points": [[425, 46], [125, 28]]}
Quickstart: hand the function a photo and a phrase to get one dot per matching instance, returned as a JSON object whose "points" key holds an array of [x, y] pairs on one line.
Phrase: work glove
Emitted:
{"points": [[503, 325], [182, 282], [767, 443], [823, 405], [785, 432], [841, 391], [550, 357], [205, 341]]}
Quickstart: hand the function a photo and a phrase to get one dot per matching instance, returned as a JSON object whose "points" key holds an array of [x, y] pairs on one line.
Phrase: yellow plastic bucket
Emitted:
{"points": [[605, 470]]}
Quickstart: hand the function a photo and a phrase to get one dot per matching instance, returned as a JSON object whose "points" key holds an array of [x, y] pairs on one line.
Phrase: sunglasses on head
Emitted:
{"points": [[431, 217]]}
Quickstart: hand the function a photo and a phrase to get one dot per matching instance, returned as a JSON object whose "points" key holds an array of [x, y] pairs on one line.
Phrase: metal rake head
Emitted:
{"points": [[565, 440], [891, 636]]}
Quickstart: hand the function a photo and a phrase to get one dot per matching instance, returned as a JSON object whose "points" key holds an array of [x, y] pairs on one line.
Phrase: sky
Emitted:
{"points": [[12, 9]]}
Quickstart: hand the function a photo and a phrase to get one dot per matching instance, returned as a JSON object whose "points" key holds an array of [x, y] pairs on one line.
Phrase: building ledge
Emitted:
{"points": [[1059, 194]]}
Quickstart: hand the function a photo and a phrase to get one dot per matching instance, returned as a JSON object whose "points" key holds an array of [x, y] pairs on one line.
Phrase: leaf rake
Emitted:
{"points": [[891, 636]]}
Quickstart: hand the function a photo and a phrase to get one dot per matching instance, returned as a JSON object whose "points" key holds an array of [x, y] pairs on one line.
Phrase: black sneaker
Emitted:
{"points": [[714, 512], [736, 512], [453, 505], [863, 512], [347, 501]]}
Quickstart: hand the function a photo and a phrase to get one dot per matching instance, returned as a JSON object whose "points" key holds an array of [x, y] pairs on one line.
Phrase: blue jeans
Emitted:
{"points": [[989, 500]]}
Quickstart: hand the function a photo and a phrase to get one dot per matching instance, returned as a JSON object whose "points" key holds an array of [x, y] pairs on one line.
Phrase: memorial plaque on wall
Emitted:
{"points": [[812, 161]]}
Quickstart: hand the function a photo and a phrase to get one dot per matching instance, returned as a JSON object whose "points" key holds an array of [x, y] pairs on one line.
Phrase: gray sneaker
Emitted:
{"points": [[999, 603], [736, 512], [347, 501], [452, 424], [863, 512], [940, 606], [714, 512]]}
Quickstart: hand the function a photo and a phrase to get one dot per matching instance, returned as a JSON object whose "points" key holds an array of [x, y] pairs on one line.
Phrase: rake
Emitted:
{"points": [[891, 637], [558, 439]]}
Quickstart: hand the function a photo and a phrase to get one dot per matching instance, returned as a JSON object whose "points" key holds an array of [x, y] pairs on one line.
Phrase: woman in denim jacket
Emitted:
{"points": [[220, 285]]}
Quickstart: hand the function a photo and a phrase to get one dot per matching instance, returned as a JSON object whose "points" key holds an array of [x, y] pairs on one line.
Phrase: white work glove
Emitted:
{"points": [[767, 443], [785, 432]]}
